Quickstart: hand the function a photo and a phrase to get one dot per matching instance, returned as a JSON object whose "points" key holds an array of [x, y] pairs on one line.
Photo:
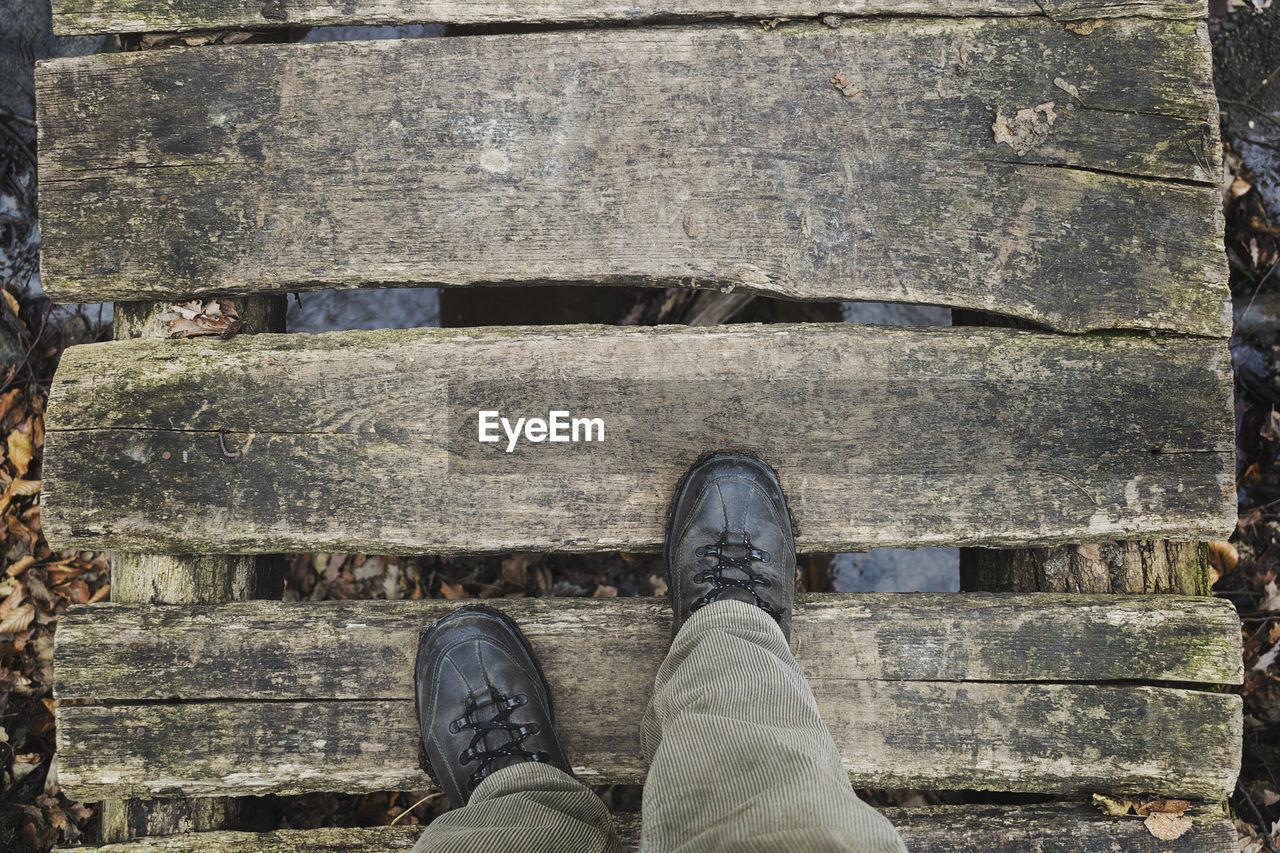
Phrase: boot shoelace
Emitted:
{"points": [[722, 583], [516, 732]]}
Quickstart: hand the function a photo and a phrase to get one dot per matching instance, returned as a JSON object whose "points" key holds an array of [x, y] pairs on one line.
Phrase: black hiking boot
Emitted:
{"points": [[730, 538], [481, 700]]}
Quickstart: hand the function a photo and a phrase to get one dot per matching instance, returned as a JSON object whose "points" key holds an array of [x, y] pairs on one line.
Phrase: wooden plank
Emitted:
{"points": [[324, 723], [883, 437], [592, 156], [199, 579], [1052, 828], [79, 17], [1053, 738], [283, 651]]}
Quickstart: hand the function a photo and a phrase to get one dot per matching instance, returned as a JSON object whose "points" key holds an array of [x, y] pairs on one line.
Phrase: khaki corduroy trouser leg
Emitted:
{"points": [[525, 807], [738, 757], [739, 761]]}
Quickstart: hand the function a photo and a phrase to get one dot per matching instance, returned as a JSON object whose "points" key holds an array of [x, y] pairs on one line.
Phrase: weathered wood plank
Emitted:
{"points": [[202, 579], [367, 441], [891, 734], [718, 157], [1054, 828], [338, 712], [76, 17], [282, 651]]}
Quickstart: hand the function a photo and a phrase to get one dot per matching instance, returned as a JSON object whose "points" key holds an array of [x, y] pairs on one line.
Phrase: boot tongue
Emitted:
{"points": [[733, 544], [735, 594]]}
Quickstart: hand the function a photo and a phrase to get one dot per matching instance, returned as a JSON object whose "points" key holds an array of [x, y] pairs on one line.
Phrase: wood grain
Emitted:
{"points": [[319, 697], [76, 17], [1052, 828], [719, 157], [288, 652], [191, 579], [1053, 738], [366, 441]]}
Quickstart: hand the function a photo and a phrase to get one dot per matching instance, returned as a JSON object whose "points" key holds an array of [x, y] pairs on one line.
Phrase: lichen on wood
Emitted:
{"points": [[365, 441], [270, 168]]}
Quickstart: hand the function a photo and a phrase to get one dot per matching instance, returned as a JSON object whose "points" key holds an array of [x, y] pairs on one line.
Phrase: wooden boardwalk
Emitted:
{"points": [[1053, 163]]}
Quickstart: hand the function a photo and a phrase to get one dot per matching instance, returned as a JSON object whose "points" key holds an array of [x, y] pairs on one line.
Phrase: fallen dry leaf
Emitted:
{"points": [[151, 41], [1162, 806], [1249, 840], [452, 590], [19, 566], [1167, 827], [1270, 429], [515, 569], [1266, 660], [1223, 559], [12, 302], [20, 452], [196, 318], [18, 620], [1112, 807], [1271, 600], [1224, 556], [24, 487]]}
